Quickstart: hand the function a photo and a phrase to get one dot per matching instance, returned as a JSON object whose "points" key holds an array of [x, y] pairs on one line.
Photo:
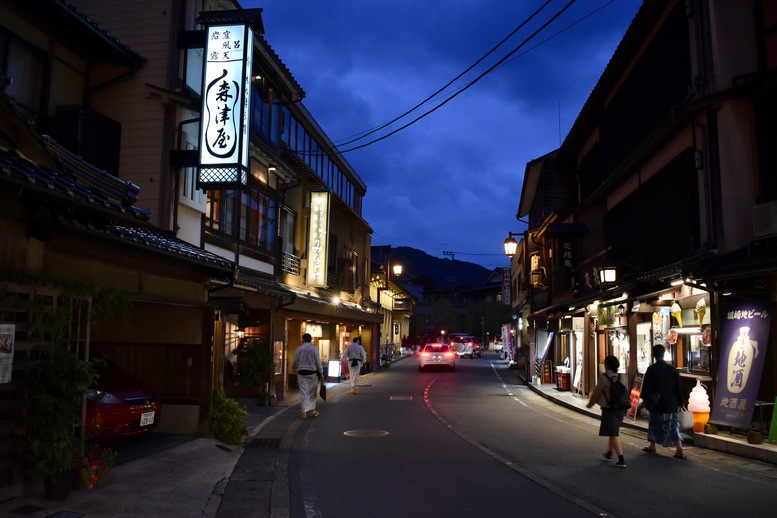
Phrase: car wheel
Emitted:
{"points": [[453, 369], [420, 369], [472, 356]]}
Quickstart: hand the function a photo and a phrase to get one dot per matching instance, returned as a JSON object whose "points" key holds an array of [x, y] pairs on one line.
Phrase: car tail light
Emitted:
{"points": [[449, 355], [425, 354]]}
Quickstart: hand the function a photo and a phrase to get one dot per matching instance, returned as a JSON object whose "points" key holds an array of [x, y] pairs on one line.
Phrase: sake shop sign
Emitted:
{"points": [[226, 100], [744, 337], [318, 239]]}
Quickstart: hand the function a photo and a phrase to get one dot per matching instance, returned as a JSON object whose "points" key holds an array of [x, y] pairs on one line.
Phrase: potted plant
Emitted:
{"points": [[95, 464], [255, 367], [54, 444]]}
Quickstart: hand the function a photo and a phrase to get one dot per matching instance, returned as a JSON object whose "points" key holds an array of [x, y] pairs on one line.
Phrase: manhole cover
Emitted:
{"points": [[365, 433], [400, 398]]}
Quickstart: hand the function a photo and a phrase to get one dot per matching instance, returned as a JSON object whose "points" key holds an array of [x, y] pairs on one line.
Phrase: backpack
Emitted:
{"points": [[619, 395]]}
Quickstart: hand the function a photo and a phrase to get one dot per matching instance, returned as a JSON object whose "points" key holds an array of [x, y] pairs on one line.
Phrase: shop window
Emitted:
{"points": [[644, 347], [24, 66]]}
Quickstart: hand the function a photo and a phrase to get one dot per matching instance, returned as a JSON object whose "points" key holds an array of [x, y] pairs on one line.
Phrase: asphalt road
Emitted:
{"points": [[474, 443]]}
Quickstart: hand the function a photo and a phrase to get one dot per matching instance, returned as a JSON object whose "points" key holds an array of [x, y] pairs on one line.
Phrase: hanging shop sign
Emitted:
{"points": [[318, 239], [506, 281], [745, 335], [567, 247], [226, 99]]}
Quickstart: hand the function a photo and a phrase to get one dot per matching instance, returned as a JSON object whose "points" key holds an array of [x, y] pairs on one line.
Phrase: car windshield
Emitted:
{"points": [[436, 348]]}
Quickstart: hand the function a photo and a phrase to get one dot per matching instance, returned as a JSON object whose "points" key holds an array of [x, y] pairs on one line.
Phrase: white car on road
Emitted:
{"points": [[436, 355]]}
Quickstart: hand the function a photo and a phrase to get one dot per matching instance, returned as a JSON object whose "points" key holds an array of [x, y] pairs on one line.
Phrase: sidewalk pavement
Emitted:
{"points": [[194, 477], [724, 441], [204, 477]]}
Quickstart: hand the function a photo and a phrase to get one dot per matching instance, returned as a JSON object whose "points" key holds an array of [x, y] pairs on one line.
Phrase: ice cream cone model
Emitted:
{"points": [[699, 405], [677, 313], [701, 310]]}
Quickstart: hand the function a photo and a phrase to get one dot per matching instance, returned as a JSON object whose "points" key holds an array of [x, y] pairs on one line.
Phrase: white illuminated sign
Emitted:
{"points": [[318, 239], [226, 102]]}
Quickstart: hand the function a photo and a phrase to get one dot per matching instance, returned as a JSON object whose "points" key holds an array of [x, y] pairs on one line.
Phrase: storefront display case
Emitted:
{"points": [[644, 346]]}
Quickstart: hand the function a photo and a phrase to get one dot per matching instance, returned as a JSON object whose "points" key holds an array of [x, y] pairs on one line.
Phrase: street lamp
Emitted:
{"points": [[397, 270], [511, 245]]}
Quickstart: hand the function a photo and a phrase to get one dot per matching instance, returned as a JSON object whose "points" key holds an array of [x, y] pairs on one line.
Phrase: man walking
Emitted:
{"points": [[662, 392], [307, 363], [355, 355]]}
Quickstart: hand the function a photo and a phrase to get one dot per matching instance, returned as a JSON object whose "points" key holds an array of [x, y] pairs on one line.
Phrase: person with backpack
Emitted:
{"points": [[662, 393], [611, 395]]}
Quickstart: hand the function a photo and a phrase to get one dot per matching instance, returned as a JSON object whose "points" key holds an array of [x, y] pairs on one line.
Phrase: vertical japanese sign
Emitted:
{"points": [[744, 338], [226, 101], [7, 333], [567, 248], [506, 285], [318, 239]]}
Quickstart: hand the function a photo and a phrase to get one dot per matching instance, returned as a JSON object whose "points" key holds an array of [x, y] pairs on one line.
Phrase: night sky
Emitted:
{"points": [[451, 180]]}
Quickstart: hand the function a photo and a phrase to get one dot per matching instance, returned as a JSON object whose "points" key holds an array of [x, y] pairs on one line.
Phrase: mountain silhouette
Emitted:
{"points": [[442, 273]]}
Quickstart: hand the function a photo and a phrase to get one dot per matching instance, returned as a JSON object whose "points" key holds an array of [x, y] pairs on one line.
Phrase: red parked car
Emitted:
{"points": [[119, 405]]}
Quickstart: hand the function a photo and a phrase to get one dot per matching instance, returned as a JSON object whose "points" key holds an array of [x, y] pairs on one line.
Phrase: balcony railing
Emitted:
{"points": [[290, 263]]}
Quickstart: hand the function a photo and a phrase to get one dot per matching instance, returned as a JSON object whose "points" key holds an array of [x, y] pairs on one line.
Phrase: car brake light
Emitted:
{"points": [[425, 354], [449, 355]]}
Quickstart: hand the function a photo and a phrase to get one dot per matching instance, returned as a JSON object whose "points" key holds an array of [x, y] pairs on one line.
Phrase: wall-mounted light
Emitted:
{"points": [[621, 310], [511, 245], [608, 274], [240, 333], [397, 269]]}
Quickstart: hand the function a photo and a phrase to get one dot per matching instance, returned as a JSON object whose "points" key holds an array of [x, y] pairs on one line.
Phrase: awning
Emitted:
{"points": [[307, 307]]}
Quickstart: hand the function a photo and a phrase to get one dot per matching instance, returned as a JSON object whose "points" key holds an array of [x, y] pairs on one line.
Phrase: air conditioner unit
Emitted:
{"points": [[765, 219]]}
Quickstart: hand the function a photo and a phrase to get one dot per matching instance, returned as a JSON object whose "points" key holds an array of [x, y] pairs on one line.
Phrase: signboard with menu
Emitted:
{"points": [[7, 332]]}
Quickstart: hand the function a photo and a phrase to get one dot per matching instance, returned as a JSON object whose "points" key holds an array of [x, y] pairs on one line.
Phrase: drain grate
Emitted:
{"points": [[401, 398], [265, 442]]}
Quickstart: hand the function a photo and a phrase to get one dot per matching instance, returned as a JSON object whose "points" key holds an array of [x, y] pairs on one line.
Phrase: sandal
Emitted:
{"points": [[680, 456], [648, 449], [313, 413]]}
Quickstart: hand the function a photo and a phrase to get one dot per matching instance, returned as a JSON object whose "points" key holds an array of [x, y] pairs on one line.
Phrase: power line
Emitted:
{"points": [[465, 87], [449, 83]]}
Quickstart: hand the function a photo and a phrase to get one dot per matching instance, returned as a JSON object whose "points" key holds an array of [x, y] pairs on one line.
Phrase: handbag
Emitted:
{"points": [[685, 418], [322, 393]]}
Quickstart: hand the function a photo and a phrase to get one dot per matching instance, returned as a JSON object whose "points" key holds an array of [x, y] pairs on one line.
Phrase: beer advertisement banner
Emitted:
{"points": [[743, 348]]}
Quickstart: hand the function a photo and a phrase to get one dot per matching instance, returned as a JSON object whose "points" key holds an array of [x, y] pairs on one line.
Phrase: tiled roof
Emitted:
{"points": [[262, 284], [94, 212], [154, 238], [25, 175]]}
